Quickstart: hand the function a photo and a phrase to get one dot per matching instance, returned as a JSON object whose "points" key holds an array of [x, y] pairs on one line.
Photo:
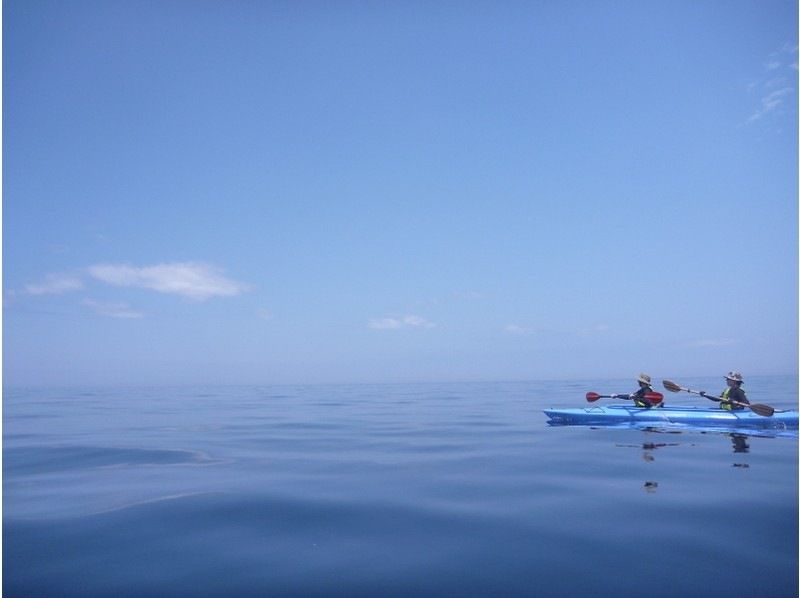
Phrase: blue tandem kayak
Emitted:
{"points": [[702, 417]]}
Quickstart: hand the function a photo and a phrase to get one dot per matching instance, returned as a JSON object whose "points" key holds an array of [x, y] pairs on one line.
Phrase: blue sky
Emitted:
{"points": [[304, 192]]}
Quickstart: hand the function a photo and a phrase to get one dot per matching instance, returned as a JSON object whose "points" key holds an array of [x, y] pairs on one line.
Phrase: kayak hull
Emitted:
{"points": [[686, 416]]}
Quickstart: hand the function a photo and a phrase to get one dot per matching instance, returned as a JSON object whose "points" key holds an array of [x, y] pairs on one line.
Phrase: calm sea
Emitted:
{"points": [[387, 490]]}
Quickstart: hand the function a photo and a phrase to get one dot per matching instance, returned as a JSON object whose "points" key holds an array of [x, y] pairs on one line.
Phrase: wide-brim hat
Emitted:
{"points": [[644, 379], [735, 376]]}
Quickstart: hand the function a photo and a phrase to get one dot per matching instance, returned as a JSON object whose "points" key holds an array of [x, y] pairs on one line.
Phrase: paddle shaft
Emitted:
{"points": [[764, 410]]}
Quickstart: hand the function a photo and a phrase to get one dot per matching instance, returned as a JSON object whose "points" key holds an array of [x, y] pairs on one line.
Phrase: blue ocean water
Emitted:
{"points": [[391, 490]]}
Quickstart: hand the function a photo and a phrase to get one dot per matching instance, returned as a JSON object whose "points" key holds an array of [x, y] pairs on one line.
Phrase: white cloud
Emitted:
{"points": [[192, 280], [417, 322], [409, 321], [385, 324], [779, 82], [719, 342], [468, 295], [55, 284], [775, 85], [517, 330], [113, 310], [770, 102]]}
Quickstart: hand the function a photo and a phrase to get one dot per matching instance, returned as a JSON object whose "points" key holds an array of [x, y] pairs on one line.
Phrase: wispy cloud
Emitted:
{"points": [[719, 342], [775, 87], [112, 310], [468, 295], [409, 321], [193, 280], [540, 332], [770, 102], [55, 284], [518, 330]]}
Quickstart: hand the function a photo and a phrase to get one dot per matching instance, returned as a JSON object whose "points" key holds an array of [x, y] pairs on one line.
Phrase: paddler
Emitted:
{"points": [[733, 393], [638, 396]]}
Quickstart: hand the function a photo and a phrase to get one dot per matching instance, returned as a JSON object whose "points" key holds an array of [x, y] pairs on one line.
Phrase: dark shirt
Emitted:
{"points": [[638, 396], [737, 394]]}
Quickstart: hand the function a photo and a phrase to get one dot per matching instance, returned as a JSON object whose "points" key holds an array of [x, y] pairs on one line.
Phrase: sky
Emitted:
{"points": [[244, 192]]}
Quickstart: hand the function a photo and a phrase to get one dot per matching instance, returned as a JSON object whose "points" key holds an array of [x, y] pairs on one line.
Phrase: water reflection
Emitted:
{"points": [[650, 486], [739, 436], [740, 443], [648, 448]]}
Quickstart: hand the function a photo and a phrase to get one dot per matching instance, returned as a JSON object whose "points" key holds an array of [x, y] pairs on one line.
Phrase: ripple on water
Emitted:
{"points": [[33, 460]]}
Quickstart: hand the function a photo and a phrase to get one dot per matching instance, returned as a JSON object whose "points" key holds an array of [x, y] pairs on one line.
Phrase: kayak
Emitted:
{"points": [[705, 417]]}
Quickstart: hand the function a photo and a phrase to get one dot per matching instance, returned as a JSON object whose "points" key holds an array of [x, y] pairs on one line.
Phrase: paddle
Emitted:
{"points": [[764, 410], [653, 397]]}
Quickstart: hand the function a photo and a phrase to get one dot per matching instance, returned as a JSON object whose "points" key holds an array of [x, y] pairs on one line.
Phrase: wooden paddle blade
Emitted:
{"points": [[654, 397], [764, 410], [592, 396], [671, 386]]}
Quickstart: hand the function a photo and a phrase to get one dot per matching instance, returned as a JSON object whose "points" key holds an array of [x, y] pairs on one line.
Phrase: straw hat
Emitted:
{"points": [[644, 379]]}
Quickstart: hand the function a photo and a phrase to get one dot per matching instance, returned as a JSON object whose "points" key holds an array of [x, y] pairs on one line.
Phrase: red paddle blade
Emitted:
{"points": [[654, 397], [592, 396]]}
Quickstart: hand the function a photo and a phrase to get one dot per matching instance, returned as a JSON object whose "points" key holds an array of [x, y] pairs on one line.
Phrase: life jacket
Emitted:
{"points": [[723, 404], [641, 401], [728, 406]]}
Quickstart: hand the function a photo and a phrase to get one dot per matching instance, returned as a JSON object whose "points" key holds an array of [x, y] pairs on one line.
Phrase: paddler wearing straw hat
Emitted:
{"points": [[638, 396], [734, 392]]}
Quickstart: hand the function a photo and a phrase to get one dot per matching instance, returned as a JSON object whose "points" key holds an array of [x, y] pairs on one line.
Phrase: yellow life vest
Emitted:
{"points": [[723, 404]]}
